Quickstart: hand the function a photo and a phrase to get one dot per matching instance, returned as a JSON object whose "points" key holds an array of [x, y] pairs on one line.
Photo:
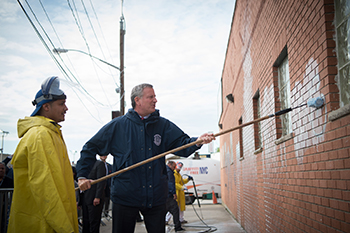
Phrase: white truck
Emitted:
{"points": [[206, 177]]}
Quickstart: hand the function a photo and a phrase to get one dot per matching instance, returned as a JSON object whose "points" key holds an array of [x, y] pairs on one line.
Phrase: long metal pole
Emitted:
{"points": [[122, 33], [188, 145]]}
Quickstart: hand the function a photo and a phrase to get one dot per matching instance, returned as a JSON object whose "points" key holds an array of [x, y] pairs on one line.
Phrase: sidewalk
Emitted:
{"points": [[215, 218]]}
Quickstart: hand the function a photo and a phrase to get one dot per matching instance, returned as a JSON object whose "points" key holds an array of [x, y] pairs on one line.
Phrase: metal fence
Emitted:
{"points": [[5, 206]]}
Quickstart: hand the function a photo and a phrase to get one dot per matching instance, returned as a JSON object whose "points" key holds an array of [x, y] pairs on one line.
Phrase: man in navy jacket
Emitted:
{"points": [[138, 135]]}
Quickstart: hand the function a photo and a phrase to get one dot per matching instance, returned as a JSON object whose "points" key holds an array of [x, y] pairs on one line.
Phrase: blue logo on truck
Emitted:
{"points": [[203, 170]]}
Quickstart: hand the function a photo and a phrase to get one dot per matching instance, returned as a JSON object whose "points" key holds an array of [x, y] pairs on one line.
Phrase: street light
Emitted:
{"points": [[118, 90], [59, 50], [2, 144]]}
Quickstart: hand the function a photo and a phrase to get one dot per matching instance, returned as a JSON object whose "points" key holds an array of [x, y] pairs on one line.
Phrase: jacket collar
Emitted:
{"points": [[135, 117]]}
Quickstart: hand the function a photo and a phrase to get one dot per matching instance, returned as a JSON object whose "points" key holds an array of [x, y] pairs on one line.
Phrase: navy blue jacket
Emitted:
{"points": [[132, 140], [171, 182]]}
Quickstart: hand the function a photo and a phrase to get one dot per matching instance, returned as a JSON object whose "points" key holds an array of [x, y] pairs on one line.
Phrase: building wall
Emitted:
{"points": [[295, 184]]}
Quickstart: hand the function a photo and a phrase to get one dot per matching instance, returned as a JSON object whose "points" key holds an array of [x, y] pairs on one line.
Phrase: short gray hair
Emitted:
{"points": [[137, 92]]}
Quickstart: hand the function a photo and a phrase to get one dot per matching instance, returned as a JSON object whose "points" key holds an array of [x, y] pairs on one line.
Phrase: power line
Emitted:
{"points": [[78, 82], [46, 46], [80, 27], [104, 39], [50, 52]]}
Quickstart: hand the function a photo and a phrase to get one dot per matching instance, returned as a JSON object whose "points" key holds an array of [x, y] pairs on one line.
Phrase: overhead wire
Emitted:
{"points": [[42, 28], [50, 52], [67, 74], [45, 44], [78, 23], [81, 30], [47, 36], [104, 39], [98, 42], [58, 38]]}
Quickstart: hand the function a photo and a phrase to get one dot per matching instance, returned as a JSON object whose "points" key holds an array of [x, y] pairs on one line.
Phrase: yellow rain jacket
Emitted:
{"points": [[43, 197], [179, 185]]}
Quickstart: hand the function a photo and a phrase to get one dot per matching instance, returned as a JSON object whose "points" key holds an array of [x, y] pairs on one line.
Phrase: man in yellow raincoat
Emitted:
{"points": [[44, 197], [179, 185]]}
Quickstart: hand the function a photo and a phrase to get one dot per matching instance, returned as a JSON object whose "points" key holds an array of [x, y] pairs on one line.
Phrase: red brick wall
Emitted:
{"points": [[301, 184]]}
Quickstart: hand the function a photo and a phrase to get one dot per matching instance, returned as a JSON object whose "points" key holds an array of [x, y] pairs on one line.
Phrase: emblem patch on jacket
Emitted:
{"points": [[157, 139]]}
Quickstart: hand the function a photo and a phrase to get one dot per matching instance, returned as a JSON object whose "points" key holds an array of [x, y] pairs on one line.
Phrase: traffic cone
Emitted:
{"points": [[215, 201]]}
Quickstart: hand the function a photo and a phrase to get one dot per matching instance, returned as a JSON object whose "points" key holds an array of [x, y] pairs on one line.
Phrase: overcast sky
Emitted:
{"points": [[177, 46]]}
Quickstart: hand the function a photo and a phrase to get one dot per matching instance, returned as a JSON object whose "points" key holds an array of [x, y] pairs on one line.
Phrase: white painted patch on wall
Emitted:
{"points": [[308, 88], [238, 153]]}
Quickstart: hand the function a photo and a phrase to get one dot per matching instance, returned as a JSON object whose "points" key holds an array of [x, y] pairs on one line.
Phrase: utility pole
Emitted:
{"points": [[122, 33]]}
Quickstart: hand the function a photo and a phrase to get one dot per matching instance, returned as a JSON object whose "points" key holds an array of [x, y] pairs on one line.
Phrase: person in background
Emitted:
{"points": [[138, 135], [180, 187], [171, 204], [43, 198], [9, 171], [93, 199], [5, 182], [108, 186], [77, 193]]}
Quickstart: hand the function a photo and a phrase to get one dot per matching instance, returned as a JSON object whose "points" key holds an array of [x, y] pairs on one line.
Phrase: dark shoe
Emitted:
{"points": [[181, 229], [184, 221]]}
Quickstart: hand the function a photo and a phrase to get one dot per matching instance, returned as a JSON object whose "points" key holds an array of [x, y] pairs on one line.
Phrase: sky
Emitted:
{"points": [[177, 46]]}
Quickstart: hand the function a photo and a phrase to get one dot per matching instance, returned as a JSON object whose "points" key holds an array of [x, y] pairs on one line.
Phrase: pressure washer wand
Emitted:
{"points": [[315, 102]]}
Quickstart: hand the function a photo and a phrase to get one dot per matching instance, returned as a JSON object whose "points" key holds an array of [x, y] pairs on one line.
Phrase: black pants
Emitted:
{"points": [[92, 218], [106, 206], [173, 208], [124, 218]]}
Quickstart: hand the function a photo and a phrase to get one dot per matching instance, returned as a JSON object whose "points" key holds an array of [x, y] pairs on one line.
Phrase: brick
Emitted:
{"points": [[336, 224], [343, 153], [329, 165], [345, 206], [339, 215], [335, 175], [346, 163], [334, 204], [338, 164], [345, 226], [341, 184], [330, 212], [337, 194], [346, 195]]}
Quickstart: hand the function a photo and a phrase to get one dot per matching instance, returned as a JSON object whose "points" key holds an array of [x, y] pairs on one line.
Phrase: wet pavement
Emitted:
{"points": [[208, 218]]}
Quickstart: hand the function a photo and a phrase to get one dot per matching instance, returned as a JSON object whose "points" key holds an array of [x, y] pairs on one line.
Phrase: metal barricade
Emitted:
{"points": [[5, 206]]}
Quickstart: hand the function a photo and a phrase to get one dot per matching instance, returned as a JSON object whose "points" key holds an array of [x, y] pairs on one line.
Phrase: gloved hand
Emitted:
{"points": [[190, 178], [184, 188]]}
